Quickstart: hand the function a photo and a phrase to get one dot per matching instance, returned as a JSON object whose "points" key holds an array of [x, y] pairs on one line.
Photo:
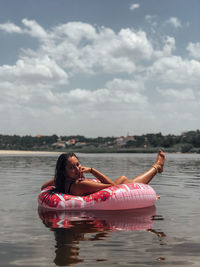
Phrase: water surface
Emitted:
{"points": [[167, 234]]}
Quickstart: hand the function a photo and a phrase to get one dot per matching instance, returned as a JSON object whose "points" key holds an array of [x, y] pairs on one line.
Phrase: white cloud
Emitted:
{"points": [[33, 71], [75, 32], [151, 19], [175, 95], [111, 52], [31, 28], [37, 104], [175, 70], [116, 92], [80, 47], [134, 6], [65, 51], [194, 50], [10, 28], [39, 86], [34, 29], [168, 47], [175, 22], [152, 23]]}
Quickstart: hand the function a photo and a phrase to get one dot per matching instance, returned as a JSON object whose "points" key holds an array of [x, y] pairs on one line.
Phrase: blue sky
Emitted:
{"points": [[99, 68]]}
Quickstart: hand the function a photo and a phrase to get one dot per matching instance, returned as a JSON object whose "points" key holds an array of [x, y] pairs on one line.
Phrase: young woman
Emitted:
{"points": [[69, 176]]}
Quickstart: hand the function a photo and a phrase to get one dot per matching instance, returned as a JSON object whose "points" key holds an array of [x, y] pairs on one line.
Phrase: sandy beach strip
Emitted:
{"points": [[22, 152]]}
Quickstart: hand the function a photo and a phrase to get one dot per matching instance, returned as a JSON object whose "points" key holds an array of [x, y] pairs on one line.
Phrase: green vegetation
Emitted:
{"points": [[186, 142]]}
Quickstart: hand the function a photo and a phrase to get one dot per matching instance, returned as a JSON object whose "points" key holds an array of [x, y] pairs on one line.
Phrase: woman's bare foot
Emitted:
{"points": [[160, 161]]}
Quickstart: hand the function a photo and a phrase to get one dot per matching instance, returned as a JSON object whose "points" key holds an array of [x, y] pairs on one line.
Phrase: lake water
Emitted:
{"points": [[165, 235]]}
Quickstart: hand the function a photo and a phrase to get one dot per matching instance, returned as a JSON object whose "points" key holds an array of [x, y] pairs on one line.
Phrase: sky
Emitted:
{"points": [[99, 68]]}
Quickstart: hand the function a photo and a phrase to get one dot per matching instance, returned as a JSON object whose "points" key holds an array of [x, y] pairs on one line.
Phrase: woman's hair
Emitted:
{"points": [[60, 175], [60, 171]]}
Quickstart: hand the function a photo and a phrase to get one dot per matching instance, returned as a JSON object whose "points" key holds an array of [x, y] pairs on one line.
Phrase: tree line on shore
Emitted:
{"points": [[185, 142]]}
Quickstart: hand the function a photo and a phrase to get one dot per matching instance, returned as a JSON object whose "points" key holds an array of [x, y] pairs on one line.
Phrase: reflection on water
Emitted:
{"points": [[139, 219], [72, 227]]}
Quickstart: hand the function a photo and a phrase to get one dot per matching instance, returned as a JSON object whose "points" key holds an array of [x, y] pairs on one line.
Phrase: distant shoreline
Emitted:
{"points": [[187, 142]]}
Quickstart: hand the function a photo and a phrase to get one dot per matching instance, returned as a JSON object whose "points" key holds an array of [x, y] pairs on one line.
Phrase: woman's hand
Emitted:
{"points": [[85, 169], [100, 176]]}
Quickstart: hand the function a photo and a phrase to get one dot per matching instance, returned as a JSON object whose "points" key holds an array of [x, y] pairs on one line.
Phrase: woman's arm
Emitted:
{"points": [[81, 188], [48, 183], [103, 178]]}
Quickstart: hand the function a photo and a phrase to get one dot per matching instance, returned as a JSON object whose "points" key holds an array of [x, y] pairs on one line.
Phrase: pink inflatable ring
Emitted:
{"points": [[121, 197]]}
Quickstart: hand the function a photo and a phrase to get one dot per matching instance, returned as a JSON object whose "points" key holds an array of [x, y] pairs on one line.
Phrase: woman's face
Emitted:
{"points": [[73, 168]]}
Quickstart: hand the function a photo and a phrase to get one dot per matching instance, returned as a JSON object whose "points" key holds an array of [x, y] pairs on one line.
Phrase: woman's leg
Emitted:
{"points": [[146, 177]]}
